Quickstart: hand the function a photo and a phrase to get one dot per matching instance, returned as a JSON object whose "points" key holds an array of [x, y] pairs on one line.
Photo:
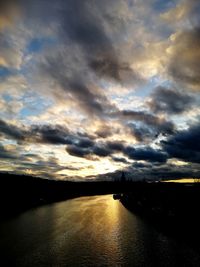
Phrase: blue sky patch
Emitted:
{"points": [[4, 72], [37, 44]]}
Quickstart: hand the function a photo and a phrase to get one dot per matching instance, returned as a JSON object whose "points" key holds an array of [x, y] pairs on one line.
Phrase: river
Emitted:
{"points": [[88, 231]]}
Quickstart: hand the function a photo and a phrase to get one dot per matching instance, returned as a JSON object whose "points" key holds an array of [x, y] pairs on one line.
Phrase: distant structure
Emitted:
{"points": [[123, 177]]}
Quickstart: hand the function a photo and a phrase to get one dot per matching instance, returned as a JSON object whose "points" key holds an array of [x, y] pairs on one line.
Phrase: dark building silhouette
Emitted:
{"points": [[123, 177]]}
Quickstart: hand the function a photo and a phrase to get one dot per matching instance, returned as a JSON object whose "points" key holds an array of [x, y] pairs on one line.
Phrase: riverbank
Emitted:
{"points": [[20, 192], [172, 208]]}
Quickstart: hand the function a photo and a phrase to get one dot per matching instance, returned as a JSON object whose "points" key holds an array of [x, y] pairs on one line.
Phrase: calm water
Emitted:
{"points": [[88, 231]]}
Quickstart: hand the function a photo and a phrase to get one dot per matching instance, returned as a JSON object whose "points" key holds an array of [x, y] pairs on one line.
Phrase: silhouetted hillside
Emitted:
{"points": [[19, 192]]}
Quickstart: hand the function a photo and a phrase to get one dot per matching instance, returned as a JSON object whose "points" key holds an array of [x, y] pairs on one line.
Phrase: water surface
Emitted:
{"points": [[89, 231]]}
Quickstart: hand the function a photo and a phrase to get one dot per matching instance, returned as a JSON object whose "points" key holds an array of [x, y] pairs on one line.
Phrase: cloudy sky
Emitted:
{"points": [[89, 88]]}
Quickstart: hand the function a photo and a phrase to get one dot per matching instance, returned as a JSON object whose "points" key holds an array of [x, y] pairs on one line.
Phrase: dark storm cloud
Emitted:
{"points": [[85, 142], [11, 131], [37, 133], [184, 65], [51, 134], [170, 101], [76, 151], [94, 149], [47, 134], [78, 144], [107, 149], [81, 146], [146, 154], [101, 151], [115, 145], [184, 145], [119, 159], [60, 135], [139, 165]]}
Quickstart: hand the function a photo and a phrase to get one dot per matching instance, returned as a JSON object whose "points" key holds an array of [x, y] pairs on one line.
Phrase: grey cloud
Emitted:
{"points": [[161, 125], [104, 132], [8, 11], [89, 100], [88, 30], [40, 166], [13, 153], [142, 133], [76, 82], [87, 54], [184, 64], [170, 101], [4, 154]]}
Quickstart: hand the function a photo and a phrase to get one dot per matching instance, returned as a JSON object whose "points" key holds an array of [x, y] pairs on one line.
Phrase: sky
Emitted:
{"points": [[90, 88]]}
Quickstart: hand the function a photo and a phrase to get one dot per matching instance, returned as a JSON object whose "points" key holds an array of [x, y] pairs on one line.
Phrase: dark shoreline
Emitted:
{"points": [[19, 193], [173, 210], [169, 204]]}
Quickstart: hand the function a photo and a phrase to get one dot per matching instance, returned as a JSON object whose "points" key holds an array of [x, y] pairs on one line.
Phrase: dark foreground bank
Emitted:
{"points": [[170, 207]]}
